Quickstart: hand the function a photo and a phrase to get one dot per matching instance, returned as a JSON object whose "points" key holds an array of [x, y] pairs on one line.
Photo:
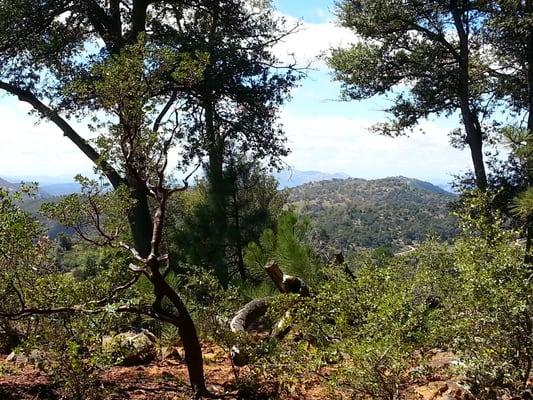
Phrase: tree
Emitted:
{"points": [[129, 65], [511, 37], [429, 55], [252, 205], [238, 98]]}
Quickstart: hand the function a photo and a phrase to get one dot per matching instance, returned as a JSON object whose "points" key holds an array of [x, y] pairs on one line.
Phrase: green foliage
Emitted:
{"points": [[472, 297], [354, 214], [201, 236], [95, 212], [508, 32], [288, 246], [407, 44], [30, 280], [496, 334], [69, 350], [211, 304]]}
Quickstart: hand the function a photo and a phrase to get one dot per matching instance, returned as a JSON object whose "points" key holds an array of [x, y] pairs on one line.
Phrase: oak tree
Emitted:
{"points": [[429, 55]]}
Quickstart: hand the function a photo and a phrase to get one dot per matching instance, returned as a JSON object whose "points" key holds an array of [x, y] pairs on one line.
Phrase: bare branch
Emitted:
{"points": [[165, 110]]}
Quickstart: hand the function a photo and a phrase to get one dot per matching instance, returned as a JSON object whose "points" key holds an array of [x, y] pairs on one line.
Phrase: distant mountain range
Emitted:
{"points": [[32, 204], [61, 189], [8, 185], [394, 212], [289, 178], [347, 213]]}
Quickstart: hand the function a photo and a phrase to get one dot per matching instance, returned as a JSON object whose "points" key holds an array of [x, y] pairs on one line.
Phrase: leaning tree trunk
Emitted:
{"points": [[474, 134], [141, 225], [186, 328], [256, 308]]}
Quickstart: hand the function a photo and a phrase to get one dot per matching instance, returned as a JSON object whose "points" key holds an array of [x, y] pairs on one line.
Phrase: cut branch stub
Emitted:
{"points": [[339, 261], [255, 309], [286, 283]]}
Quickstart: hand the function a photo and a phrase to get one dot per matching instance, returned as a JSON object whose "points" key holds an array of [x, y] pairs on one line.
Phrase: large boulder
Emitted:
{"points": [[131, 348]]}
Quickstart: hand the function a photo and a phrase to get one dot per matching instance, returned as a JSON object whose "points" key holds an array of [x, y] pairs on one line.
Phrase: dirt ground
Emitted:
{"points": [[164, 379]]}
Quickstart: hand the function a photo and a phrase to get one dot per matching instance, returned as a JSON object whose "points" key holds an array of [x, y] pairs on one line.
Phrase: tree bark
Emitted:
{"points": [[217, 194], [186, 329], [140, 222], [529, 48], [237, 220], [248, 314], [474, 134], [286, 283]]}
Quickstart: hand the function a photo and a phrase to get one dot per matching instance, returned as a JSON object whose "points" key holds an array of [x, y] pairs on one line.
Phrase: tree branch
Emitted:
{"points": [[53, 116]]}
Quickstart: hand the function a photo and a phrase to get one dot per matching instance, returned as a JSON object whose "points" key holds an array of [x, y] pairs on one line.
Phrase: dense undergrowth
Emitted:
{"points": [[368, 321]]}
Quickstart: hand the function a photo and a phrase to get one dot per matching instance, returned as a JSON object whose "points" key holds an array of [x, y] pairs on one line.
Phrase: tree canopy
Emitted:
{"points": [[429, 55]]}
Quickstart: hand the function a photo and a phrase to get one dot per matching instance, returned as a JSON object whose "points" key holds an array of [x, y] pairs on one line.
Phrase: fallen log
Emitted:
{"points": [[248, 314], [256, 308]]}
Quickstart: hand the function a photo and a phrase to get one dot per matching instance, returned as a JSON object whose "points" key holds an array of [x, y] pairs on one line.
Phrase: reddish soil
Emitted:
{"points": [[161, 380]]}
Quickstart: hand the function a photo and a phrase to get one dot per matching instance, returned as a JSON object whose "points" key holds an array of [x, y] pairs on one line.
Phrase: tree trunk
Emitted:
{"points": [[529, 228], [237, 220], [474, 134], [186, 329], [474, 139], [217, 195], [142, 224]]}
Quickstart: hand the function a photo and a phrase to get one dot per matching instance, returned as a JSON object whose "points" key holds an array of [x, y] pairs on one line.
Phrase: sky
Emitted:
{"points": [[323, 133]]}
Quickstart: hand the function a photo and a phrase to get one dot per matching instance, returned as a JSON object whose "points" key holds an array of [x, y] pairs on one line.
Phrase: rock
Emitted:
{"points": [[432, 390], [15, 358], [443, 360], [131, 348], [443, 390], [171, 352], [36, 357]]}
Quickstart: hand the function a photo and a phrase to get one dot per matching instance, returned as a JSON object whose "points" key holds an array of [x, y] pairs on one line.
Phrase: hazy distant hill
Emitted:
{"points": [[8, 185], [61, 189], [33, 204], [11, 186], [289, 178], [355, 213], [346, 212]]}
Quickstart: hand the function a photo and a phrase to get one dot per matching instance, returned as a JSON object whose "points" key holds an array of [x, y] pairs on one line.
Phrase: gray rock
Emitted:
{"points": [[131, 348]]}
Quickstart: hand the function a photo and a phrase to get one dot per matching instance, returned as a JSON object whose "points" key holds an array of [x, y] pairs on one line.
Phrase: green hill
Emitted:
{"points": [[392, 212]]}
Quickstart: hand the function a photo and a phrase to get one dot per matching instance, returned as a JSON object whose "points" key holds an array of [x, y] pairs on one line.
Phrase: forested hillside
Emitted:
{"points": [[391, 212], [32, 201], [188, 275], [7, 185]]}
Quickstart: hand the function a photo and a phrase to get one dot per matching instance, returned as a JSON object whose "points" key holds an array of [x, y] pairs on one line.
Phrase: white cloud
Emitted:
{"points": [[28, 148], [311, 40], [343, 144]]}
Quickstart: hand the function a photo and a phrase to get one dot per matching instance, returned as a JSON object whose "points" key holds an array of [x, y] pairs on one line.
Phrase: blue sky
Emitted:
{"points": [[323, 133]]}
